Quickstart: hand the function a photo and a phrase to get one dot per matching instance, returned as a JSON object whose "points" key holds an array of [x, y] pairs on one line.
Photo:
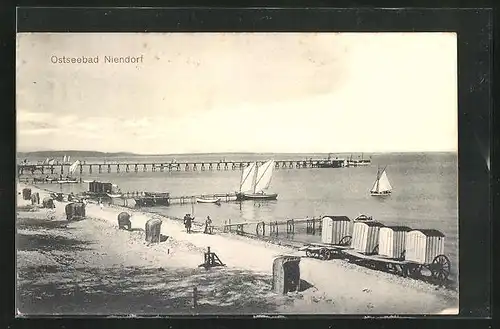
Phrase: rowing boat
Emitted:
{"points": [[203, 200]]}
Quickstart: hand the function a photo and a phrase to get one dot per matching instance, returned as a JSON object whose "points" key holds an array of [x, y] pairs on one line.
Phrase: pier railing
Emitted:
{"points": [[277, 229], [116, 167]]}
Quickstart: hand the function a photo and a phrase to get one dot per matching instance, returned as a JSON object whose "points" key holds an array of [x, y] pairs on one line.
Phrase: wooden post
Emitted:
{"points": [[195, 297]]}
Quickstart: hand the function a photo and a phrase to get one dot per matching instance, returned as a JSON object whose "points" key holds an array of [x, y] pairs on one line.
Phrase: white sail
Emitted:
{"points": [[67, 159], [375, 186], [382, 184], [264, 175], [248, 178], [73, 167], [64, 159]]}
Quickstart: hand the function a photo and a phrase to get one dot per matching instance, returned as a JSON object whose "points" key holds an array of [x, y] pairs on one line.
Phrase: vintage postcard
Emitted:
{"points": [[237, 173]]}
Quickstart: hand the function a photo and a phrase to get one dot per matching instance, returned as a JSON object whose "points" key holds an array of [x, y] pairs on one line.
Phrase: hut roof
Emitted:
{"points": [[399, 228], [371, 223], [430, 232], [153, 221], [338, 218]]}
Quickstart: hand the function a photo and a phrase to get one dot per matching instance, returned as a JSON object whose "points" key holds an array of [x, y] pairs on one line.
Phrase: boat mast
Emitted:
{"points": [[241, 179], [254, 181], [377, 188]]}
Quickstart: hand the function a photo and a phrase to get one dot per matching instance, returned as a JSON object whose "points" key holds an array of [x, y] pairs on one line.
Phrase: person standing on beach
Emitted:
{"points": [[208, 225], [187, 223]]}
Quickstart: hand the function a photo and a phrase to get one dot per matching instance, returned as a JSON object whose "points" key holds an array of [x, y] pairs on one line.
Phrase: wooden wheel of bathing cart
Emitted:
{"points": [[346, 241], [308, 253], [440, 268], [325, 254]]}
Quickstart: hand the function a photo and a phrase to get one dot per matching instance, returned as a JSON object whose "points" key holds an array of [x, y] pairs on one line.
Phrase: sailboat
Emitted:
{"points": [[381, 186], [72, 169], [255, 181]]}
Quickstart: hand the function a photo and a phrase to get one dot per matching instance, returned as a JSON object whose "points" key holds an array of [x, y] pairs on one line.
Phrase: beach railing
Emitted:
{"points": [[289, 228]]}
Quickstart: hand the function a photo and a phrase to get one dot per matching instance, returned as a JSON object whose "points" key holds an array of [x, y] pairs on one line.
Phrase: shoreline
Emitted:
{"points": [[337, 287]]}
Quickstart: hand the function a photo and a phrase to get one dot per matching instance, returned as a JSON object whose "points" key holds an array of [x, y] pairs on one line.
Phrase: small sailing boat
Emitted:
{"points": [[255, 181], [382, 186], [72, 169]]}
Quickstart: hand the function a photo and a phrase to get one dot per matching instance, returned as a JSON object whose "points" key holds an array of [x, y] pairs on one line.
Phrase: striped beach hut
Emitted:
{"points": [[392, 241], [423, 245], [335, 228], [365, 236]]}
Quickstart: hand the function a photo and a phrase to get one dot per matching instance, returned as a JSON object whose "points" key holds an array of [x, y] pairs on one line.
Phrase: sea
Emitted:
{"points": [[425, 190]]}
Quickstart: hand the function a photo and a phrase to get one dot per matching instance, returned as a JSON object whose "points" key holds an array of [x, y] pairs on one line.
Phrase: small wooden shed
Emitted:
{"points": [[286, 274], [153, 229], [423, 245], [26, 194], [365, 236], [100, 187], [392, 241], [335, 228]]}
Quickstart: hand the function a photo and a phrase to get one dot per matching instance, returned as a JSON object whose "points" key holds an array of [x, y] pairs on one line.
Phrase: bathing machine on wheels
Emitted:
{"points": [[425, 251], [335, 237], [378, 246], [407, 252], [416, 253]]}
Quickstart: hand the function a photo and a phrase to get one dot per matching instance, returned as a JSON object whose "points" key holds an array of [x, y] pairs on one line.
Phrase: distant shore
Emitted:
{"points": [[76, 153]]}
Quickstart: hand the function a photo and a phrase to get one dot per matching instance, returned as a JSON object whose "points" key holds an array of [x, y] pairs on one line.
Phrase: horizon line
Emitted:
{"points": [[235, 152]]}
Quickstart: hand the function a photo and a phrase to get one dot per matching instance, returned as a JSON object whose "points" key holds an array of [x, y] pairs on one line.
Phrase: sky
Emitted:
{"points": [[238, 92]]}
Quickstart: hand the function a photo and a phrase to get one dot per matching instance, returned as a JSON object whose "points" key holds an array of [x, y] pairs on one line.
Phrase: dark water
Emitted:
{"points": [[424, 195]]}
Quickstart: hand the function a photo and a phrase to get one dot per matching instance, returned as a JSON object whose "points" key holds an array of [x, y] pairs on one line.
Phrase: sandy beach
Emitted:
{"points": [[92, 267]]}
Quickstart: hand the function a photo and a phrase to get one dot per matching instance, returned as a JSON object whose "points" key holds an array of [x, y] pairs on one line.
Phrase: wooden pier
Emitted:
{"points": [[92, 168]]}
